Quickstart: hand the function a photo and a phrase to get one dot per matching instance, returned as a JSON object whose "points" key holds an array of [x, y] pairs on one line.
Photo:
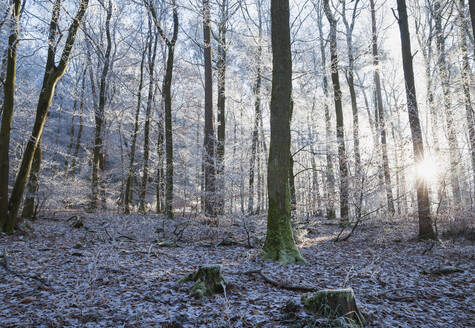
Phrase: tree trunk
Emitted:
{"points": [[471, 6], [279, 244], [53, 74], [168, 132], [315, 186], [329, 173], [340, 132], [466, 78], [380, 110], [32, 186], [425, 222], [255, 131], [7, 113], [72, 131], [152, 51], [79, 135], [160, 173], [221, 76], [449, 115], [209, 137], [351, 86], [98, 156], [3, 73], [167, 101], [130, 175]]}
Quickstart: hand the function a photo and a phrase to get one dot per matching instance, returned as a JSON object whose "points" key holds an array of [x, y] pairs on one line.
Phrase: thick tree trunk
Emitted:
{"points": [[51, 77], [425, 222], [209, 137], [340, 131], [279, 244], [380, 110], [7, 113]]}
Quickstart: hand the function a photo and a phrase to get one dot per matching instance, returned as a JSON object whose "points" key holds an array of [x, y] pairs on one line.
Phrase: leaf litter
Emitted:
{"points": [[114, 271]]}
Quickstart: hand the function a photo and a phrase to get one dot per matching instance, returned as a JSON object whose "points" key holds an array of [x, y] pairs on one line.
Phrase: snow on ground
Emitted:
{"points": [[111, 272]]}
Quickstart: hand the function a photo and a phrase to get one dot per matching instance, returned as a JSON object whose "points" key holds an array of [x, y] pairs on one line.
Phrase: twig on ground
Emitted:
{"points": [[279, 284]]}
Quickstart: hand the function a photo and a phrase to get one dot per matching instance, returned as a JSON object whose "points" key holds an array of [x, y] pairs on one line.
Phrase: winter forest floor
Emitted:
{"points": [[111, 271]]}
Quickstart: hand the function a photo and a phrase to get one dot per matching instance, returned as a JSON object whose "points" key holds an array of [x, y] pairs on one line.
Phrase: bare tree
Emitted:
{"points": [[167, 100], [98, 155], [426, 230], [52, 75], [380, 110], [340, 130], [209, 137]]}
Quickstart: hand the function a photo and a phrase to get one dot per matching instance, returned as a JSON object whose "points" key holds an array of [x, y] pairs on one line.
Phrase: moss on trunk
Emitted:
{"points": [[280, 245]]}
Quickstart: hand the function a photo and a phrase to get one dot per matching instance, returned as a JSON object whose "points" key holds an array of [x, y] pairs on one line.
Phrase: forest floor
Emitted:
{"points": [[114, 270]]}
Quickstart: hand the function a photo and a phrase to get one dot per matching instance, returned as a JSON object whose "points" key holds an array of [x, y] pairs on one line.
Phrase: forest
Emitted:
{"points": [[237, 163]]}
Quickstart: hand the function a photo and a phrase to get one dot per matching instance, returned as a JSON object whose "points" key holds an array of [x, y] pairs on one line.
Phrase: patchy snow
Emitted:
{"points": [[112, 273]]}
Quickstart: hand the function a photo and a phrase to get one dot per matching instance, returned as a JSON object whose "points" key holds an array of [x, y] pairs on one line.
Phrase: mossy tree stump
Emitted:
{"points": [[334, 303], [208, 281]]}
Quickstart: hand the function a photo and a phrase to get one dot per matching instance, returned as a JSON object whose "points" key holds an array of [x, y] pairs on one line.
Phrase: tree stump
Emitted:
{"points": [[208, 281], [334, 303]]}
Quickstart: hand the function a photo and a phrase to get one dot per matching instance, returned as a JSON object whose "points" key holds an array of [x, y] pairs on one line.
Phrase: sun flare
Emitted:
{"points": [[427, 169]]}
